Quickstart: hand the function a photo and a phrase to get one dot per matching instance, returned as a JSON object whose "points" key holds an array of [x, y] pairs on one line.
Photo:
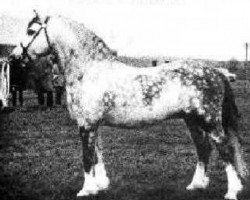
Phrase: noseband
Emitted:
{"points": [[43, 26]]}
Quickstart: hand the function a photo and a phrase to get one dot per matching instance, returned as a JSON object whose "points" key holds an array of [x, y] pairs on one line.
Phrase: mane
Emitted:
{"points": [[94, 46]]}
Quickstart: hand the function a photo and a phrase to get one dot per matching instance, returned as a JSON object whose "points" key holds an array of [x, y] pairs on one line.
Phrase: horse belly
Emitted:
{"points": [[136, 112], [135, 119]]}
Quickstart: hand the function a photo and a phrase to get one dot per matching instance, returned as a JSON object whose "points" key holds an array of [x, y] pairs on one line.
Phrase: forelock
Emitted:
{"points": [[35, 19]]}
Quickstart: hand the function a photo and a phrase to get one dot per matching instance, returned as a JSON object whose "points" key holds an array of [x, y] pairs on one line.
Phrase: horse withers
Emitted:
{"points": [[102, 90]]}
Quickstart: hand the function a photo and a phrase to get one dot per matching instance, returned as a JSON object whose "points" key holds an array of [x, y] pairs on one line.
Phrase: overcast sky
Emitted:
{"points": [[212, 29]]}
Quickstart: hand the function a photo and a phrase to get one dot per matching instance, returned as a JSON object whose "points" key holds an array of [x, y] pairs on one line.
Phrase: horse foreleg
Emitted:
{"points": [[102, 180], [200, 179], [94, 170], [228, 152]]}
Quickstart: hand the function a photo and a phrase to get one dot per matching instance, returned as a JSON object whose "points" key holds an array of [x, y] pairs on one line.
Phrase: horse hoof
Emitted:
{"points": [[90, 189], [84, 193], [103, 183], [230, 196], [190, 187], [201, 185]]}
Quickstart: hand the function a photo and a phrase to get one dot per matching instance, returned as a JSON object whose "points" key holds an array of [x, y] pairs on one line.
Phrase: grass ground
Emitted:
{"points": [[40, 157]]}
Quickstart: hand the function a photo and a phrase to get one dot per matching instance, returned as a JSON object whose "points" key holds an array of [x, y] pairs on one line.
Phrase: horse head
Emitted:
{"points": [[37, 54], [35, 42]]}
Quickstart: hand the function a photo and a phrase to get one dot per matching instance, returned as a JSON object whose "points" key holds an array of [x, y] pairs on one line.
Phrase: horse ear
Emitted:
{"points": [[46, 20], [36, 13]]}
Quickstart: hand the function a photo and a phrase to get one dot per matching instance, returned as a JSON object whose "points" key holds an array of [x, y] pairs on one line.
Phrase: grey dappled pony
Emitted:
{"points": [[102, 90]]}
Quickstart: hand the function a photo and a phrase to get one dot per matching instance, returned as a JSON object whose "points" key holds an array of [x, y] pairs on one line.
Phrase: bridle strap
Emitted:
{"points": [[43, 26], [47, 38], [34, 37], [46, 32]]}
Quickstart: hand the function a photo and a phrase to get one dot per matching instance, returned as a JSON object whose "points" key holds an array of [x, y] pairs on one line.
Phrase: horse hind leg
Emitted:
{"points": [[94, 170], [240, 164], [200, 138], [227, 146]]}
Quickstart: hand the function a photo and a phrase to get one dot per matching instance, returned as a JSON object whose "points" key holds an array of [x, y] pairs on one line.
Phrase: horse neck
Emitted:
{"points": [[64, 42], [97, 49], [76, 42]]}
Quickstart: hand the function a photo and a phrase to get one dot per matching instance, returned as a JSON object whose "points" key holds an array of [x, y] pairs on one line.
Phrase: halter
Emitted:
{"points": [[43, 27]]}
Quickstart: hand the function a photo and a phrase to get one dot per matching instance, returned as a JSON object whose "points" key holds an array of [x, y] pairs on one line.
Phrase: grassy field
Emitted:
{"points": [[40, 157]]}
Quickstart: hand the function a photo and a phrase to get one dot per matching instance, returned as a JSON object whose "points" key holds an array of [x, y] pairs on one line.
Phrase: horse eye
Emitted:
{"points": [[30, 32]]}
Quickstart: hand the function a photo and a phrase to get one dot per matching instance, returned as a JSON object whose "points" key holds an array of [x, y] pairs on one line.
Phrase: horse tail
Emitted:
{"points": [[230, 119], [230, 112]]}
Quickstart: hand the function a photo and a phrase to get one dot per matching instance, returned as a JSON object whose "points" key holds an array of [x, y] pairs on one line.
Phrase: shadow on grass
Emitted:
{"points": [[11, 188], [165, 193], [175, 194]]}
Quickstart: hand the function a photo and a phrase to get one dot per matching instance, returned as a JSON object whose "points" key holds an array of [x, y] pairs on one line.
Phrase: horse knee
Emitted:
{"points": [[202, 143], [225, 148], [88, 136]]}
